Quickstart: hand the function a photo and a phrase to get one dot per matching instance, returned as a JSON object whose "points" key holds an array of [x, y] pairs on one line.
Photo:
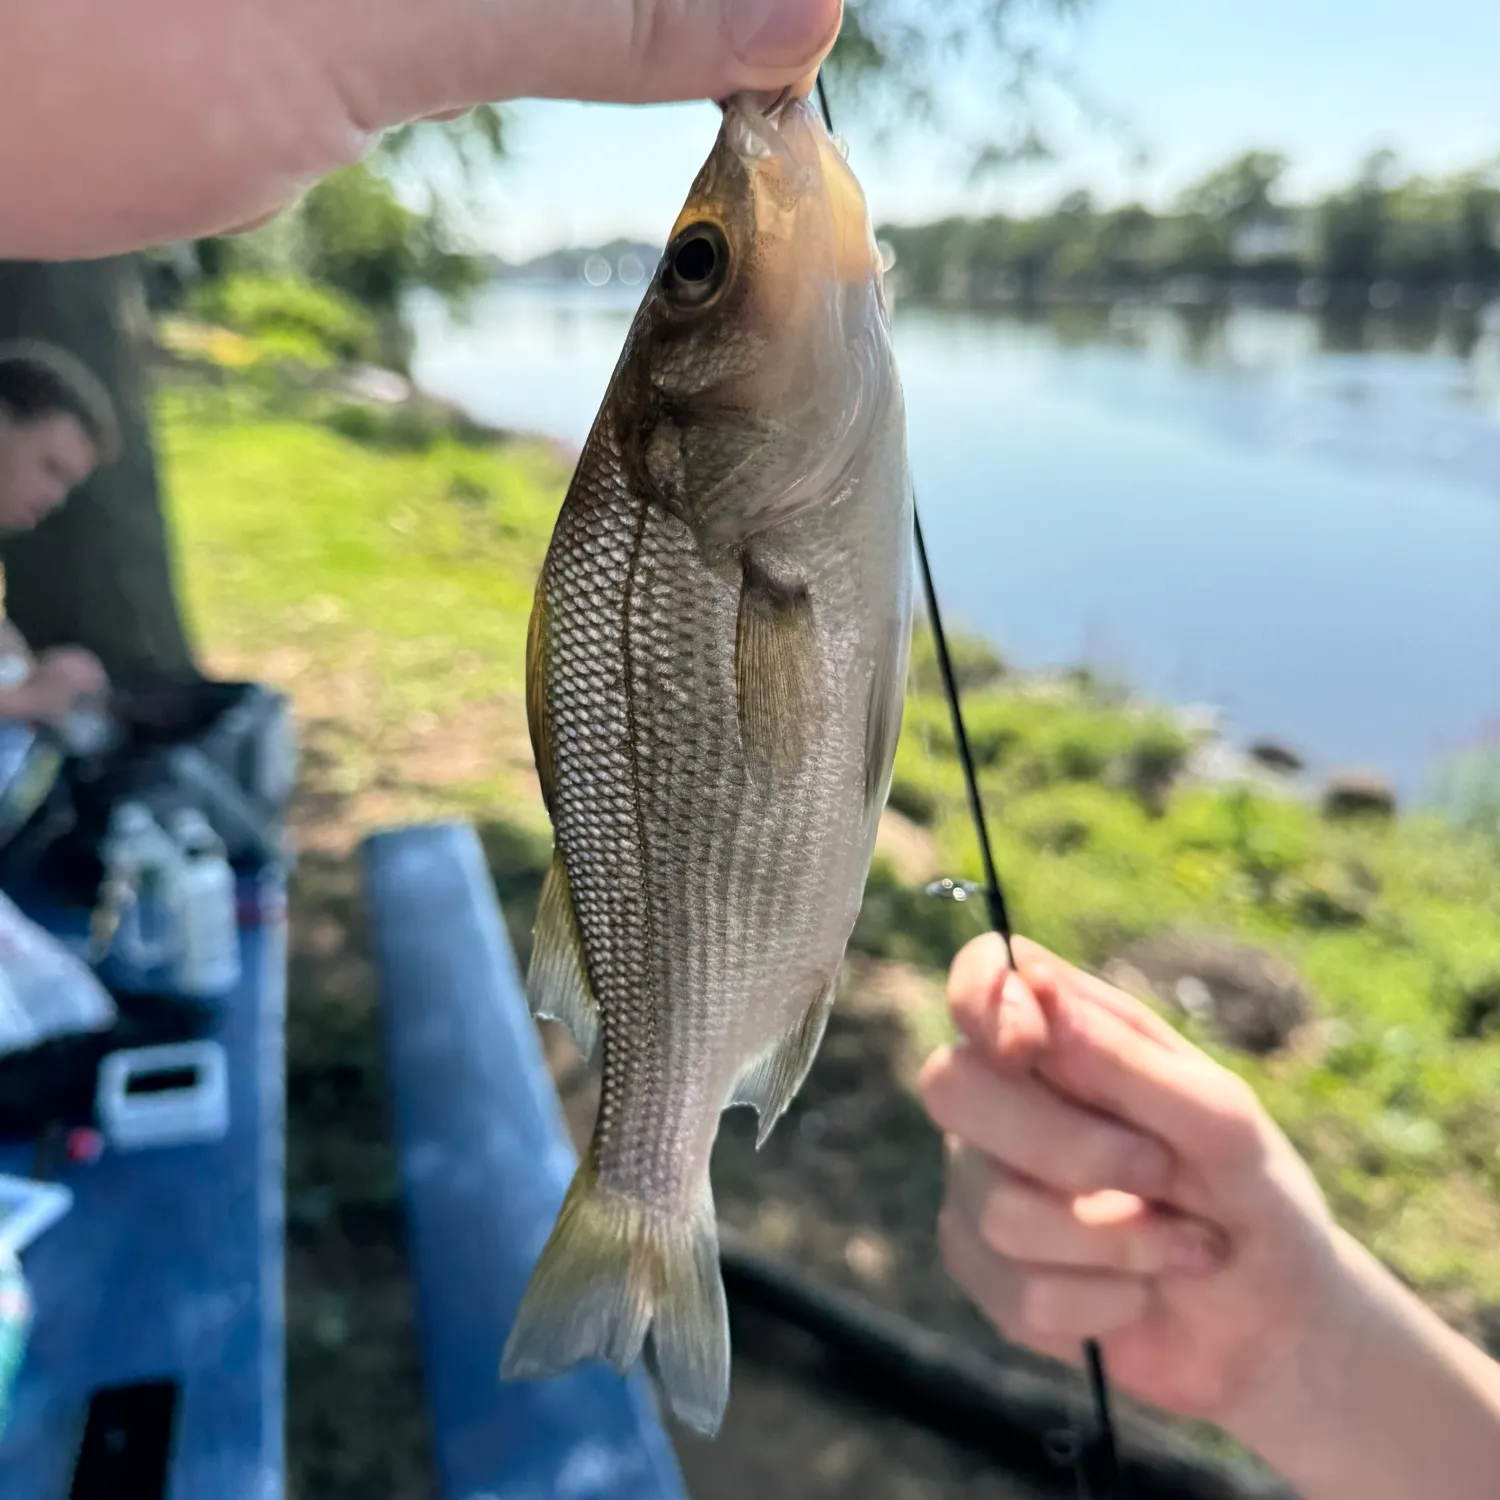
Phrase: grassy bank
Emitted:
{"points": [[382, 574]]}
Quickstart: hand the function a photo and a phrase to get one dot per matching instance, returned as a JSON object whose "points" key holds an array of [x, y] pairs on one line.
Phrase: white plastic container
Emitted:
{"points": [[206, 964], [164, 1096], [140, 858]]}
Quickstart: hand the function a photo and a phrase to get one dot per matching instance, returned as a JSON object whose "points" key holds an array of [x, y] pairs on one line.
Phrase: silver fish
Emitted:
{"points": [[715, 671]]}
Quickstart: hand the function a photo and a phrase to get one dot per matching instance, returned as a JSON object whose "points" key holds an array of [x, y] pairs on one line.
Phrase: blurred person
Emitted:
{"points": [[57, 425], [1106, 1179]]}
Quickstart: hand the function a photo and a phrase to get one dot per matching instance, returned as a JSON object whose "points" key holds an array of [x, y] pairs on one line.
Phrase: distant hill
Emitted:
{"points": [[627, 262]]}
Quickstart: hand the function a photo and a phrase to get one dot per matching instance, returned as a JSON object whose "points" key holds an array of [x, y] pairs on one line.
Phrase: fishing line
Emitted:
{"points": [[1104, 1431]]}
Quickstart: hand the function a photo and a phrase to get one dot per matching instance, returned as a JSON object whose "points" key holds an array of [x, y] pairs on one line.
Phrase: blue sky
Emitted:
{"points": [[1325, 81]]}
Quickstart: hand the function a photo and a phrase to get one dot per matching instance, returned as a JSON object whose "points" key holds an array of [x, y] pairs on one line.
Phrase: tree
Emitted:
{"points": [[1352, 224], [900, 61], [1239, 193]]}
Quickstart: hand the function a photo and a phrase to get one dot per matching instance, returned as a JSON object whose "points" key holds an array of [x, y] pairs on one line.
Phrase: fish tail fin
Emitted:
{"points": [[614, 1270]]}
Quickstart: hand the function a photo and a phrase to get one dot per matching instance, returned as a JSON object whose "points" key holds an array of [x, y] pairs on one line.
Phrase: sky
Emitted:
{"points": [[1196, 81]]}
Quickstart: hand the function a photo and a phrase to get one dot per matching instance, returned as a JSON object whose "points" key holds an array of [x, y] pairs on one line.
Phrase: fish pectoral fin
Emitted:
{"points": [[883, 715], [771, 1082], [776, 667], [614, 1270], [557, 979]]}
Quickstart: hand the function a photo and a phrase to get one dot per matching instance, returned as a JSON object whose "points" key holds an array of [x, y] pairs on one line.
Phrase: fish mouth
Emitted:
{"points": [[780, 138], [758, 126]]}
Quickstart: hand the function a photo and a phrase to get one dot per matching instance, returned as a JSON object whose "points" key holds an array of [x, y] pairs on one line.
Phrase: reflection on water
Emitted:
{"points": [[1294, 517]]}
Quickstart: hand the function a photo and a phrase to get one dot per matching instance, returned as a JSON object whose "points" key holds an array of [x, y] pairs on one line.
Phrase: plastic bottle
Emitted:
{"points": [[142, 869], [207, 963]]}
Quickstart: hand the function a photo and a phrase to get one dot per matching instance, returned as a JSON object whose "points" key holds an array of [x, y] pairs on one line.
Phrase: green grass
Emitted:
{"points": [[414, 567]]}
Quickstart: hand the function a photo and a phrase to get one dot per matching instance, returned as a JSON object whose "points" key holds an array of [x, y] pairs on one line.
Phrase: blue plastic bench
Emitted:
{"points": [[485, 1159], [159, 1329]]}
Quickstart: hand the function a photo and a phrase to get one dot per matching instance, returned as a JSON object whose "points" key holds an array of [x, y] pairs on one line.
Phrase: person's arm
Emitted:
{"points": [[12, 642], [61, 680], [126, 123], [1108, 1180], [1390, 1403]]}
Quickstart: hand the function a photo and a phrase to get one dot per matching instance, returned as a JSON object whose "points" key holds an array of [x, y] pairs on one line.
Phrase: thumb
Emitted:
{"points": [[676, 49], [453, 53]]}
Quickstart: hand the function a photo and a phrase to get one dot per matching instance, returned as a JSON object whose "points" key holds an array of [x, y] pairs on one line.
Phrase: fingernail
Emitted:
{"points": [[1197, 1249], [778, 33]]}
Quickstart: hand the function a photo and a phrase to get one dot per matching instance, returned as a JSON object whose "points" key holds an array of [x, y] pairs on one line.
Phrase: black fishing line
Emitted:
{"points": [[1104, 1430]]}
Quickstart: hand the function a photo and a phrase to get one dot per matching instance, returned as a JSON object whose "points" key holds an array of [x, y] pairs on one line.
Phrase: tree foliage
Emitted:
{"points": [[1231, 225], [899, 62]]}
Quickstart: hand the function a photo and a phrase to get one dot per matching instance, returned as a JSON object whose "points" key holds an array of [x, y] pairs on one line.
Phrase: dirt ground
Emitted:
{"points": [[846, 1188]]}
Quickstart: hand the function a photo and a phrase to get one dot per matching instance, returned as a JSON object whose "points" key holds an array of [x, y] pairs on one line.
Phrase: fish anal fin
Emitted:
{"points": [[772, 1080], [538, 720], [557, 978], [776, 667], [615, 1270]]}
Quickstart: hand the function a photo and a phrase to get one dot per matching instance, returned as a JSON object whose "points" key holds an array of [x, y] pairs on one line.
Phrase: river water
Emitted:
{"points": [[1294, 519]]}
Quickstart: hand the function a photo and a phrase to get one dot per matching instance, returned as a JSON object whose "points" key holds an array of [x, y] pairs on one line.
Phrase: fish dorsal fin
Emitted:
{"points": [[557, 979], [771, 1081], [538, 721], [776, 667], [883, 715]]}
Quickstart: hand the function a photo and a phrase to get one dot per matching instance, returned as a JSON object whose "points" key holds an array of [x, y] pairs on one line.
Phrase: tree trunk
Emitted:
{"points": [[99, 572]]}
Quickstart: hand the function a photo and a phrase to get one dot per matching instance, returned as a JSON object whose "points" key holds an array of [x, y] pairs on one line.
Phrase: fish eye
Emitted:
{"points": [[697, 265]]}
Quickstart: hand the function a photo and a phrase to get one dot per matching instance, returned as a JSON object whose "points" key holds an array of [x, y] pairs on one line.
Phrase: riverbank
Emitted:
{"points": [[380, 571]]}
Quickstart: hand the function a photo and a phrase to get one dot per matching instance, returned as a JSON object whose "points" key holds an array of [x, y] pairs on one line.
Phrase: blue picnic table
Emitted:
{"points": [[159, 1295], [485, 1159]]}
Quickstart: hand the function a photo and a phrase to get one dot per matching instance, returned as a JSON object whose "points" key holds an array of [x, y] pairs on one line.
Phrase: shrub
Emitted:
{"points": [[291, 319]]}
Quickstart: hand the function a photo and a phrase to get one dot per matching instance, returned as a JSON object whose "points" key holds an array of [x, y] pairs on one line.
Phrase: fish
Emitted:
{"points": [[716, 667]]}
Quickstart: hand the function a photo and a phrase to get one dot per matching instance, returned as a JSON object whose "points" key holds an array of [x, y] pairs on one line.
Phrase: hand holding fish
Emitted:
{"points": [[1107, 1179], [125, 123]]}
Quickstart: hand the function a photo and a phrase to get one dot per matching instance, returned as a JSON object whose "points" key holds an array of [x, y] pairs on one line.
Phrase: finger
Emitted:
{"points": [[1028, 1127], [1204, 1113], [992, 1006], [1106, 1231], [1047, 976], [1045, 1309], [650, 50]]}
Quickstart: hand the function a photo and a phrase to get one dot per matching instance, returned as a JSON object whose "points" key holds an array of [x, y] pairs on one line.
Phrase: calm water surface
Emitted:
{"points": [[1296, 521]]}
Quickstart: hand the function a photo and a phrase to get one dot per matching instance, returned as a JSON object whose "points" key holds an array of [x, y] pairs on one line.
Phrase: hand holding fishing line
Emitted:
{"points": [[1107, 1179], [125, 123]]}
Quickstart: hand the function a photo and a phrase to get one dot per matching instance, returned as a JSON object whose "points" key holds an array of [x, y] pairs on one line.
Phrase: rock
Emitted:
{"points": [[1479, 1009], [1335, 895], [1277, 757], [374, 383], [1353, 794], [1251, 999]]}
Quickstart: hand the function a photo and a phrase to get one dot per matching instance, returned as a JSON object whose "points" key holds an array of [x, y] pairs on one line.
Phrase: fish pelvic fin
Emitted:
{"points": [[776, 668], [615, 1270], [557, 978], [771, 1081], [883, 714], [538, 719]]}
